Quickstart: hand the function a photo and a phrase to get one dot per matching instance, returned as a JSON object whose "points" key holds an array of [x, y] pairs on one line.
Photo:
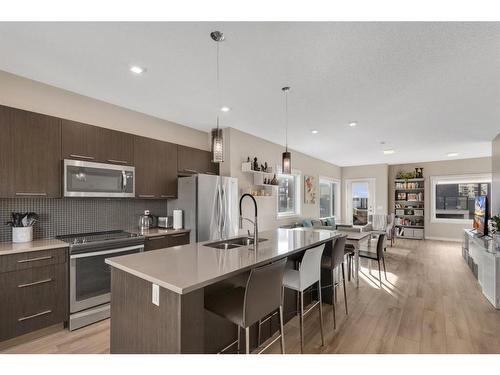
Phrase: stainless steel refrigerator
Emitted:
{"points": [[209, 204]]}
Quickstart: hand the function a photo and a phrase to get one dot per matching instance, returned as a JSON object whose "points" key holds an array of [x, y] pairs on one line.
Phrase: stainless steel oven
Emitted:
{"points": [[89, 179], [90, 276]]}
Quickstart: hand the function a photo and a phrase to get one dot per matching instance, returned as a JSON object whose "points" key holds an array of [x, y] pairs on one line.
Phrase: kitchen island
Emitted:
{"points": [[158, 297]]}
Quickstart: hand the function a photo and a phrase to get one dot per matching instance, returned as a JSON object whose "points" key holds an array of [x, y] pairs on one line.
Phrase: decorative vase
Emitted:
{"points": [[22, 234]]}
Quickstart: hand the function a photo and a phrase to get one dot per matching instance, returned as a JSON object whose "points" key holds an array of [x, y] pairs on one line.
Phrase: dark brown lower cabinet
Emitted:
{"points": [[166, 240], [35, 295]]}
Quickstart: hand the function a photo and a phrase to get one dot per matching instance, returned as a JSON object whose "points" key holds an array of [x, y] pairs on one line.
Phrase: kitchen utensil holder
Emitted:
{"points": [[22, 234]]}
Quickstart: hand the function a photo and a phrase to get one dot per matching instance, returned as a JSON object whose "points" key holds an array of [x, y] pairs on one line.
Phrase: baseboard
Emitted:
{"points": [[444, 239]]}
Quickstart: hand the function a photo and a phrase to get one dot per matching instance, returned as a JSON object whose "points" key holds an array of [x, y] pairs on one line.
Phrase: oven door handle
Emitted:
{"points": [[97, 253]]}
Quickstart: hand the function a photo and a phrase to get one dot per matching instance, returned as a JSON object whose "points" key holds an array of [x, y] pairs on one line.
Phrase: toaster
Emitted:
{"points": [[165, 221]]}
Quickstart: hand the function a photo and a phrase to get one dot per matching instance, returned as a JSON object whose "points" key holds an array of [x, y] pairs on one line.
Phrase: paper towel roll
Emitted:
{"points": [[177, 219]]}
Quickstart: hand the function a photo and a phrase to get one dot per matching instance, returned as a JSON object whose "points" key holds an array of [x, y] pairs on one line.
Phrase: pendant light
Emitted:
{"points": [[217, 136], [286, 161]]}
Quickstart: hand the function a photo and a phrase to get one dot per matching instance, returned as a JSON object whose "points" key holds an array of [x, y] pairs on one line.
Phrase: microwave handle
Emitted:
{"points": [[124, 180]]}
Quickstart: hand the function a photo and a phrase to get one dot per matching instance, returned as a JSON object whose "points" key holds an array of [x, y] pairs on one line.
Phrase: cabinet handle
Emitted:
{"points": [[210, 173], [82, 156], [146, 196], [179, 235], [190, 170], [34, 315], [156, 238], [32, 194], [35, 283], [34, 259], [118, 161], [167, 196]]}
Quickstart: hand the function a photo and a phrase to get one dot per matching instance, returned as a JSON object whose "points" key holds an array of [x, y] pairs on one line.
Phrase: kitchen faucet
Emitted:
{"points": [[254, 222]]}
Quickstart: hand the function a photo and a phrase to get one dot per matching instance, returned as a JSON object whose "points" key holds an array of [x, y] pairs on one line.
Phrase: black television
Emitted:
{"points": [[481, 215]]}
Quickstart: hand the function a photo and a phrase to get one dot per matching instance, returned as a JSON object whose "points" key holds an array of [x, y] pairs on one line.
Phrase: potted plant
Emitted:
{"points": [[22, 226], [494, 228]]}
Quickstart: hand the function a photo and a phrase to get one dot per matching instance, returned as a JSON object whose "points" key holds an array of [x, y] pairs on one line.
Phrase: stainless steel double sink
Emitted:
{"points": [[233, 243]]}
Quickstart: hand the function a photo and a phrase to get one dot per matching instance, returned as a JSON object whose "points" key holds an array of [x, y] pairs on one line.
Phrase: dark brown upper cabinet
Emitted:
{"points": [[79, 141], [6, 152], [155, 168], [193, 160], [33, 158], [115, 147]]}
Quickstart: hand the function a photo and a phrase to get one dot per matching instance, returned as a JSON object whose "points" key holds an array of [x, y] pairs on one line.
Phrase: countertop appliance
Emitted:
{"points": [[145, 221], [209, 204], [90, 276], [89, 179], [165, 222]]}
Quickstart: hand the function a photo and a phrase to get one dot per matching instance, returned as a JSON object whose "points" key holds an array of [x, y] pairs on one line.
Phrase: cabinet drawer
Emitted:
{"points": [[154, 243], [22, 261], [32, 299], [178, 239]]}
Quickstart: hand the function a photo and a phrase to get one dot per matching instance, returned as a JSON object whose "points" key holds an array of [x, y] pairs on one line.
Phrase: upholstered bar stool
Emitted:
{"points": [[308, 274], [333, 262], [245, 306]]}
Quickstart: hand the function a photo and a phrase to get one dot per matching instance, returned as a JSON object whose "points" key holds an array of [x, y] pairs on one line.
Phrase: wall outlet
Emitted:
{"points": [[155, 298]]}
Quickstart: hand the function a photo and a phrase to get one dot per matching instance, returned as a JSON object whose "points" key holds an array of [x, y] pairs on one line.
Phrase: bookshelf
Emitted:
{"points": [[409, 199]]}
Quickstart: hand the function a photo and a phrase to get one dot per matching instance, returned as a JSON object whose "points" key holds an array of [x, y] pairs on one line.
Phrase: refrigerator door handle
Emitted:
{"points": [[224, 210], [220, 212]]}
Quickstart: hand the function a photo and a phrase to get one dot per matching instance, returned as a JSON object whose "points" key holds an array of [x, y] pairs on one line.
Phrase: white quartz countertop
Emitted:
{"points": [[183, 269], [7, 248]]}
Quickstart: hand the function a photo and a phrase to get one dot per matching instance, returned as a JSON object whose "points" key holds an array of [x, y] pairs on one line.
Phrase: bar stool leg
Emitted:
{"points": [[247, 340], [259, 333], [343, 283], [302, 322], [321, 314], [379, 273], [333, 302], [385, 273], [282, 332], [239, 340]]}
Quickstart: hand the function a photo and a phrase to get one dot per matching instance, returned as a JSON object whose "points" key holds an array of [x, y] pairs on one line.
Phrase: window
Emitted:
{"points": [[288, 195], [328, 196], [453, 197]]}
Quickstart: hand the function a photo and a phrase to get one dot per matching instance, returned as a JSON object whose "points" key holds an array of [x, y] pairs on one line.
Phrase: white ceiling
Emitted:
{"points": [[426, 89]]}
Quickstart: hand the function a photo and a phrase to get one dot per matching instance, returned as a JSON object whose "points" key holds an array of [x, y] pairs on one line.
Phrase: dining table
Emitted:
{"points": [[356, 239]]}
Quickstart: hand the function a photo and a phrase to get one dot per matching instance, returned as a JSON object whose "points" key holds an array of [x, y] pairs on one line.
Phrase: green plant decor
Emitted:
{"points": [[496, 221], [406, 175]]}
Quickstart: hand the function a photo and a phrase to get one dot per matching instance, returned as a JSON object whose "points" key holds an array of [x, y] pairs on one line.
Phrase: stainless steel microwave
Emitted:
{"points": [[89, 179]]}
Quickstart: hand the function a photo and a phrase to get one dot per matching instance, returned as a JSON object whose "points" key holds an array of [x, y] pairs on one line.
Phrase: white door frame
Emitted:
{"points": [[348, 196]]}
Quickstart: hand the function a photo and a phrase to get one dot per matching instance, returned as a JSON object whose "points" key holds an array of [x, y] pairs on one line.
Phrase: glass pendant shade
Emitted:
{"points": [[217, 145], [286, 163]]}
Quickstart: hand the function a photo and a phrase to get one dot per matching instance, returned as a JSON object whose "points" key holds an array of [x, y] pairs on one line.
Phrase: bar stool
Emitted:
{"points": [[245, 306], [332, 262], [308, 274]]}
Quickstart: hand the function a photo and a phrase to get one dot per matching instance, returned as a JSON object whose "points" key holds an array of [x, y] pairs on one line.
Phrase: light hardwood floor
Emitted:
{"points": [[430, 303]]}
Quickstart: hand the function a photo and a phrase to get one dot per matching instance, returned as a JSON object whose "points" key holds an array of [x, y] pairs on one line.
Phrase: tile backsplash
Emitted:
{"points": [[78, 215]]}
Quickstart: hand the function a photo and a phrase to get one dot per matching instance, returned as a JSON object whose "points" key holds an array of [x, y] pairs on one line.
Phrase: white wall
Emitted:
{"points": [[496, 175], [442, 231], [240, 145], [377, 171], [23, 93]]}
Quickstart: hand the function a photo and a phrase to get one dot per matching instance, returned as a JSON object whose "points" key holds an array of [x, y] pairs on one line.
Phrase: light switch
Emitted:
{"points": [[155, 299]]}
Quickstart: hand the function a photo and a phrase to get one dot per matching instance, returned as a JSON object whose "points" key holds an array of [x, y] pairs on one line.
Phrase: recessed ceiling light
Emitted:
{"points": [[389, 152], [314, 131], [352, 124], [137, 69], [452, 154], [225, 109]]}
